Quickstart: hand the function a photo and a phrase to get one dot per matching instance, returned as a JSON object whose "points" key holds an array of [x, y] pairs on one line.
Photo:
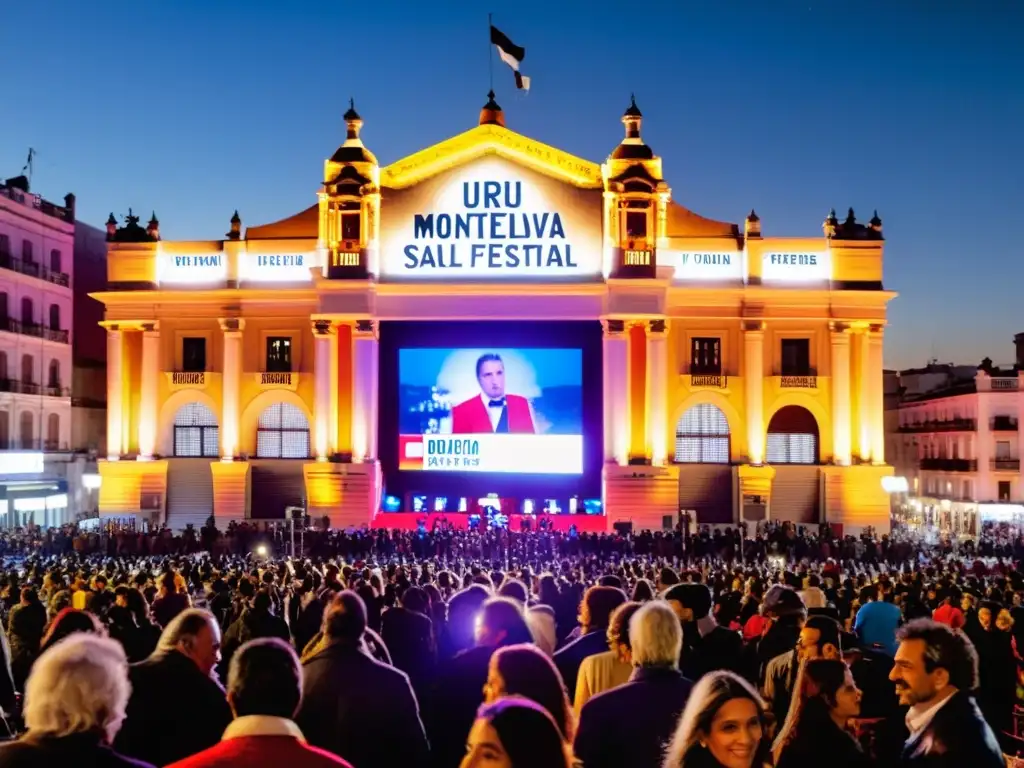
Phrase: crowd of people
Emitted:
{"points": [[508, 649]]}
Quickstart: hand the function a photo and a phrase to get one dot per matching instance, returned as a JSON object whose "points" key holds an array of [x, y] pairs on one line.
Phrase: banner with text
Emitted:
{"points": [[491, 220]]}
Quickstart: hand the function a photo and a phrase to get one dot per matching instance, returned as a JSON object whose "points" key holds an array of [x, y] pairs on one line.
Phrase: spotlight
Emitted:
{"points": [[261, 550]]}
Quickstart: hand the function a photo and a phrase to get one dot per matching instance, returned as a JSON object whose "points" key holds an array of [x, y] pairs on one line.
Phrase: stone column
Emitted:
{"points": [[863, 434], [115, 393], [364, 392], [616, 392], [876, 408], [231, 384], [323, 339], [148, 388], [657, 391], [753, 385], [840, 394]]}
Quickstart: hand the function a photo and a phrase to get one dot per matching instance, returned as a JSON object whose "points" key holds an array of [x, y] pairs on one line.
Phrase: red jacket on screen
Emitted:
{"points": [[471, 417]]}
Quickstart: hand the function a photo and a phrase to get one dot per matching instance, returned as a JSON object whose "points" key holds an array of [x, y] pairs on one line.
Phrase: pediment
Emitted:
{"points": [[495, 140]]}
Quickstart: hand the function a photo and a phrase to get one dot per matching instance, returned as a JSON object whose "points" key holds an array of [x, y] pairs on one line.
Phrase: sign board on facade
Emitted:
{"points": [[191, 268], [796, 267], [276, 267], [491, 219], [704, 265]]}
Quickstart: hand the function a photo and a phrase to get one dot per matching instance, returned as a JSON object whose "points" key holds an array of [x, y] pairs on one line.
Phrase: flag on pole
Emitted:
{"points": [[512, 55]]}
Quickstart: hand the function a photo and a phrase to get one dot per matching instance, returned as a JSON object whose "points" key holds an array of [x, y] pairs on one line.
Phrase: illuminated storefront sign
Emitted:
{"points": [[191, 268], [276, 267], [796, 267], [705, 265], [491, 220]]}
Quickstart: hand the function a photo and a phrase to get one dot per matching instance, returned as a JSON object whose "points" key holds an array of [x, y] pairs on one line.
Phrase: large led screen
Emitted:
{"points": [[490, 410]]}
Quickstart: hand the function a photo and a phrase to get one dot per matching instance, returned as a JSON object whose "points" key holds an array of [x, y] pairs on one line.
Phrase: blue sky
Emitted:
{"points": [[914, 107]]}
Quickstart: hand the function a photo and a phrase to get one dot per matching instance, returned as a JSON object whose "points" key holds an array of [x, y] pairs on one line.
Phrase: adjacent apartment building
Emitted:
{"points": [[957, 442]]}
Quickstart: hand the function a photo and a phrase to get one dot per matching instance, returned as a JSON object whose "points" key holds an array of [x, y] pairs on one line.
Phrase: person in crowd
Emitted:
{"points": [[129, 621], [264, 691], [706, 646], [459, 692], [604, 671], [408, 633], [463, 608], [170, 601], [936, 675], [997, 668], [786, 615], [595, 614], [819, 638], [812, 594], [177, 708], [524, 670], [514, 732], [256, 621], [631, 724], [75, 702], [825, 700], [354, 706], [25, 629], [877, 619], [948, 611], [68, 622], [723, 726]]}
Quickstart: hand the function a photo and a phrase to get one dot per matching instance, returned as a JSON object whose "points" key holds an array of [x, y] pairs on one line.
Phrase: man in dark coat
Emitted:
{"points": [[936, 674], [176, 708], [408, 634], [595, 615], [632, 724], [354, 706], [706, 646]]}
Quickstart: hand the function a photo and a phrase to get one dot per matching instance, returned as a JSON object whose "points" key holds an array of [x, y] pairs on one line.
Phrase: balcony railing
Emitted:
{"points": [[34, 269], [1009, 465], [1003, 424], [30, 388], [950, 465], [947, 425], [1005, 383], [13, 325]]}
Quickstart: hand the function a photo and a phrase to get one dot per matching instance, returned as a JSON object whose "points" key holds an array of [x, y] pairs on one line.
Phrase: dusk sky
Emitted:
{"points": [[194, 108]]}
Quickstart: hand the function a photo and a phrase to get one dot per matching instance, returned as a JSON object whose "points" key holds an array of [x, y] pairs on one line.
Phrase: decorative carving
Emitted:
{"points": [[321, 327], [658, 326], [752, 326], [876, 329], [132, 232], [150, 327], [365, 326], [231, 324], [837, 327], [614, 326]]}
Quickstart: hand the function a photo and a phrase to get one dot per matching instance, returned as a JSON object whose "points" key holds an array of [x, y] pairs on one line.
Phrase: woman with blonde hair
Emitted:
{"points": [[825, 699], [75, 703], [722, 726]]}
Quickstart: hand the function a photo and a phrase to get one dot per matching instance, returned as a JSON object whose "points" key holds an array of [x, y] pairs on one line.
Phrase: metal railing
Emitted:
{"points": [[1012, 465], [950, 465], [13, 325], [30, 388], [947, 425], [1003, 424], [35, 201]]}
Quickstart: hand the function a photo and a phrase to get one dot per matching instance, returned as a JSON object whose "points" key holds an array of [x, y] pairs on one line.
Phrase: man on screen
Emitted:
{"points": [[492, 410]]}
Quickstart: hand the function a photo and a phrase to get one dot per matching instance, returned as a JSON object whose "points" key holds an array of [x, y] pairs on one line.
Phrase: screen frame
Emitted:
{"points": [[586, 336]]}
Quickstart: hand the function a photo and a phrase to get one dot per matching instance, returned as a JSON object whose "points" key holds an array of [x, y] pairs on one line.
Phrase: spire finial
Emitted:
{"points": [[351, 102]]}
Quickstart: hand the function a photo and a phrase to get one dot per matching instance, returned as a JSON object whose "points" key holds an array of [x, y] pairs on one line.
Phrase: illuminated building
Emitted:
{"points": [[741, 375], [36, 244], [957, 443]]}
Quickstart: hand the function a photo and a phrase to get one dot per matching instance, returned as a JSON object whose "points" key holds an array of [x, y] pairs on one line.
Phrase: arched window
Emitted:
{"points": [[55, 317], [53, 432], [25, 430], [702, 436], [5, 430], [53, 380], [196, 432], [55, 260], [5, 311], [282, 433], [4, 376], [28, 369], [27, 311], [792, 436]]}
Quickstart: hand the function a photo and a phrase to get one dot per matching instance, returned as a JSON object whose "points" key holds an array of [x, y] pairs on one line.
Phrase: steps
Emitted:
{"points": [[189, 493]]}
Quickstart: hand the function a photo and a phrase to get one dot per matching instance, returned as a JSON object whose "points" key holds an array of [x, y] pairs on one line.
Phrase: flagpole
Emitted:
{"points": [[490, 53]]}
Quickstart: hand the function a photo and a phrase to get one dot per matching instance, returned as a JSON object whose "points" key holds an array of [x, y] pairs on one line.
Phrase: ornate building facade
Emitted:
{"points": [[740, 374]]}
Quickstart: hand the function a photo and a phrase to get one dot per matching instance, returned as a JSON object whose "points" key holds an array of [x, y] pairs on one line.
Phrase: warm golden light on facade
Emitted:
{"points": [[741, 375]]}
